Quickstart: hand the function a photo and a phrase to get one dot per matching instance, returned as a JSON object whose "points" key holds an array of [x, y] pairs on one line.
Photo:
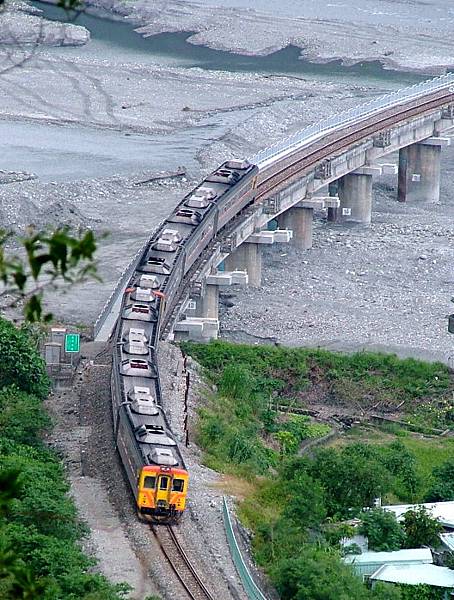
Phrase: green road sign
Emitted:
{"points": [[72, 342]]}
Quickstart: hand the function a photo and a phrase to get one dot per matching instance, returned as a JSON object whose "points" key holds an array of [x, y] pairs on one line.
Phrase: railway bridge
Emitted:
{"points": [[331, 165]]}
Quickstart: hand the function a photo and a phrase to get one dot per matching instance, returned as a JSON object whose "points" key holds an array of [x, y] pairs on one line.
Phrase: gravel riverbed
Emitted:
{"points": [[385, 286], [81, 133]]}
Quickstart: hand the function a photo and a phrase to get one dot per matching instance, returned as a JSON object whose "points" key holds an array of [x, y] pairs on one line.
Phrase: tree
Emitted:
{"points": [[382, 530], [305, 507], [420, 528], [319, 575], [401, 462], [442, 487], [58, 256], [21, 364], [352, 478]]}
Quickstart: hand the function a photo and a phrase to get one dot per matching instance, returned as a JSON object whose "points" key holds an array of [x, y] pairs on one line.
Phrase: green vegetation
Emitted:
{"points": [[296, 376], [442, 487], [382, 530], [40, 554], [384, 533], [59, 255], [299, 503]]}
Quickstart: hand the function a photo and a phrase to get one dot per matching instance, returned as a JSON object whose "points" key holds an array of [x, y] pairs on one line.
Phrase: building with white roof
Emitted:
{"points": [[369, 562], [440, 577], [447, 539], [443, 511]]}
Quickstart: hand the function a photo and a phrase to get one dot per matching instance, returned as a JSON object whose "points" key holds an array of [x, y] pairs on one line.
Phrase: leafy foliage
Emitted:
{"points": [[40, 555], [352, 478], [298, 500], [442, 487], [58, 255], [382, 530], [21, 363], [420, 528], [290, 372]]}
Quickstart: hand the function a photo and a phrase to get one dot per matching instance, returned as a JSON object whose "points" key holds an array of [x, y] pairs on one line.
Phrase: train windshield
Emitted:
{"points": [[178, 485], [149, 483], [163, 483]]}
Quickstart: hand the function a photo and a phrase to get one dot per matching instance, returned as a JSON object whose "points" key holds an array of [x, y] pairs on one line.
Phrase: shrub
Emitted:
{"points": [[442, 487], [382, 530], [420, 528], [21, 363]]}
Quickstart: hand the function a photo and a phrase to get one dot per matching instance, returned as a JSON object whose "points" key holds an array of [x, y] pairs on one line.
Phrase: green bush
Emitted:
{"points": [[421, 529], [294, 510], [40, 533], [21, 363], [442, 488], [382, 530]]}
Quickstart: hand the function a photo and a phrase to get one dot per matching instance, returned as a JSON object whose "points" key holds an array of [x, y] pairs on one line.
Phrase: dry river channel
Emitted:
{"points": [[85, 130]]}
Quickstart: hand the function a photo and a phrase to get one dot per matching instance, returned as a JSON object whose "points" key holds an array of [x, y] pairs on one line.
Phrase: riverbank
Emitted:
{"points": [[406, 36], [22, 26]]}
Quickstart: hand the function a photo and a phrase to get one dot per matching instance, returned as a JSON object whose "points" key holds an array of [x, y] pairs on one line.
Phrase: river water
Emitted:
{"points": [[62, 153]]}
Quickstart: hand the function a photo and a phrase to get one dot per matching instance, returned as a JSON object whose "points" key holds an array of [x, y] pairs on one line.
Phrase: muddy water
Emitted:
{"points": [[56, 153]]}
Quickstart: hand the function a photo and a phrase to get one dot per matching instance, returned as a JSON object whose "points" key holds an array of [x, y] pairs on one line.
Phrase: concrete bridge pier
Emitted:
{"points": [[333, 191], [419, 171], [355, 195], [209, 303], [247, 257], [299, 220]]}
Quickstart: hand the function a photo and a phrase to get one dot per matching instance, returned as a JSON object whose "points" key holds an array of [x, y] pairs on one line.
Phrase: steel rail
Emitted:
{"points": [[334, 142], [352, 115], [178, 560]]}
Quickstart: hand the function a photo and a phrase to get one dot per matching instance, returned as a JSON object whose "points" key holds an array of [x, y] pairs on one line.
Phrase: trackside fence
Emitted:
{"points": [[352, 115], [251, 589]]}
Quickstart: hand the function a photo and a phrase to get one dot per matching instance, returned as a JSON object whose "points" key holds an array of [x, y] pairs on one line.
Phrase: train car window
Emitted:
{"points": [[178, 485], [163, 484], [149, 483]]}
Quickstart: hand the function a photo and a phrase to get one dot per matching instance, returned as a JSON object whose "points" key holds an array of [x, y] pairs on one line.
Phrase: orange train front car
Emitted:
{"points": [[162, 493]]}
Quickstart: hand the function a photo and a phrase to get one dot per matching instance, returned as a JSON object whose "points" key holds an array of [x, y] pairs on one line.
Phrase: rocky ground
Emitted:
{"points": [[125, 547], [21, 25], [404, 35], [386, 286]]}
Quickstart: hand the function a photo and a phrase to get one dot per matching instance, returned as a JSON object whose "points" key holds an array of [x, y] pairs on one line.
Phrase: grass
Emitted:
{"points": [[291, 502], [361, 381], [429, 451]]}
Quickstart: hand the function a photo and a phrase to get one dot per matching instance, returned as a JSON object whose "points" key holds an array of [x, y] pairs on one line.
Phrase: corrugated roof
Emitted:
{"points": [[443, 511], [412, 555], [416, 574], [448, 540]]}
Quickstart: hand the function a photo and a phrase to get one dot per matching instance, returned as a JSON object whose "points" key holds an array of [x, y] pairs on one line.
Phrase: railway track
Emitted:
{"points": [[180, 563], [297, 163]]}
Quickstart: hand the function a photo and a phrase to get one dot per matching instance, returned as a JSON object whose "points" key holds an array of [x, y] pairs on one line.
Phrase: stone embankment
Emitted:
{"points": [[21, 25]]}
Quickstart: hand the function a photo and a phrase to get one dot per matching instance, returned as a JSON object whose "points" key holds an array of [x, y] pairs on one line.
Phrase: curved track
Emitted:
{"points": [[293, 165], [180, 563]]}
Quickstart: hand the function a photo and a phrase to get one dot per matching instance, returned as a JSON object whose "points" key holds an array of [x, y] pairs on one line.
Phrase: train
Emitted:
{"points": [[147, 448]]}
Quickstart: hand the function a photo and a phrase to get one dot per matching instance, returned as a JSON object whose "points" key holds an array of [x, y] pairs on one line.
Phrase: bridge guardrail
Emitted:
{"points": [[351, 115], [124, 278], [251, 589]]}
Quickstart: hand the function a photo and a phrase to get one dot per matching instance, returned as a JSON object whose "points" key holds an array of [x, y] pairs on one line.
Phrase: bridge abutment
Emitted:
{"points": [[419, 171], [247, 257]]}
